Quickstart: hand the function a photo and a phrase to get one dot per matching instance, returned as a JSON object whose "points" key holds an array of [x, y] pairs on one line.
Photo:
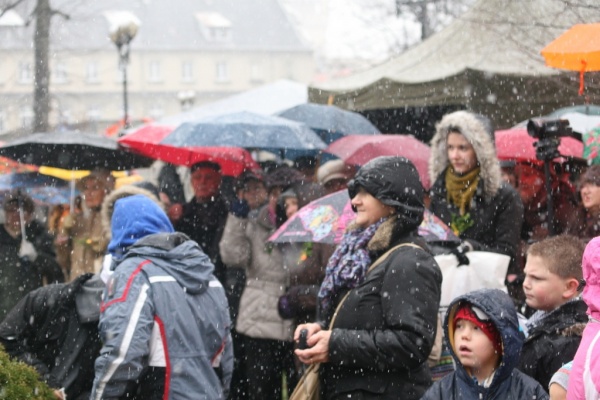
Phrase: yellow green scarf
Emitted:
{"points": [[461, 188]]}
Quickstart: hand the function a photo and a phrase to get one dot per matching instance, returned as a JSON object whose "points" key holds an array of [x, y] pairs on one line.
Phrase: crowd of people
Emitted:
{"points": [[136, 293]]}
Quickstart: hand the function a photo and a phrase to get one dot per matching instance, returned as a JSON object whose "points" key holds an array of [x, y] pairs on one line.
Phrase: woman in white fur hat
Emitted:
{"points": [[468, 192]]}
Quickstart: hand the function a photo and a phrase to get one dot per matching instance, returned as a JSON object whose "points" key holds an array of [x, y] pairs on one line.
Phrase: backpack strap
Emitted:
{"points": [[390, 251]]}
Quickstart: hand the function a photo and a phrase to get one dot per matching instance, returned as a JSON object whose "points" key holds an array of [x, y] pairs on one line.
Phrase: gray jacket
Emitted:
{"points": [[244, 245], [165, 325]]}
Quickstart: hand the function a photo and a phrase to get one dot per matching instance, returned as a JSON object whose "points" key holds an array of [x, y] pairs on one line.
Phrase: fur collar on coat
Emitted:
{"points": [[385, 236], [476, 133]]}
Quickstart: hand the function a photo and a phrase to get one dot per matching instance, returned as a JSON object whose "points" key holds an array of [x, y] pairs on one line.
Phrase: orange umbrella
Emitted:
{"points": [[578, 49]]}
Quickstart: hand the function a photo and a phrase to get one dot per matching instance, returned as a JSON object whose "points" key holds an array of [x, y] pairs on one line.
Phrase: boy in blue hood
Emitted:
{"points": [[483, 333], [164, 318]]}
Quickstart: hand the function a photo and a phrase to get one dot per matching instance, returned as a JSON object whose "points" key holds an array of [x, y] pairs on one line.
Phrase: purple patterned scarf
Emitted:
{"points": [[348, 265]]}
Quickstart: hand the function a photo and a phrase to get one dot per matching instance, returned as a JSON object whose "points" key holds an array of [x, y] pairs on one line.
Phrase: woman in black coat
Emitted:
{"points": [[468, 192], [385, 326]]}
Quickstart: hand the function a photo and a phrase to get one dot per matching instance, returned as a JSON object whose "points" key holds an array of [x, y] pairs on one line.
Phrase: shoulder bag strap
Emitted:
{"points": [[376, 263]]}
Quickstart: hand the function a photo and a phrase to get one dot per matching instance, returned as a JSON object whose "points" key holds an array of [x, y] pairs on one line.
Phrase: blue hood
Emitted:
{"points": [[501, 310], [135, 217]]}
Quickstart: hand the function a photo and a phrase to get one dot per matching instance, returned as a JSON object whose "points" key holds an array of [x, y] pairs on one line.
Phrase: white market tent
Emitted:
{"points": [[267, 99], [487, 60]]}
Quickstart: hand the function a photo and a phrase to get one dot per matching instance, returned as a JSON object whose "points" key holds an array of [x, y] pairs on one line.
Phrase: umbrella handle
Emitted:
{"points": [[72, 196], [22, 221]]}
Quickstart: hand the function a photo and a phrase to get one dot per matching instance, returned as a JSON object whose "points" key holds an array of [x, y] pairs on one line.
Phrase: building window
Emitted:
{"points": [[156, 111], [93, 113], [26, 117], [60, 73], [154, 74], [214, 27], [25, 72], [66, 117], [91, 73], [256, 73], [222, 72], [219, 34], [187, 71]]}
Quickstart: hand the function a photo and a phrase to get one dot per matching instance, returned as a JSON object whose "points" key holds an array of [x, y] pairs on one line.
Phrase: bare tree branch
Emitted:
{"points": [[5, 8]]}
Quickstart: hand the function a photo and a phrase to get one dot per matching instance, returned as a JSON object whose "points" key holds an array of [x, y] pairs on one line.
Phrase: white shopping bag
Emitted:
{"points": [[485, 270]]}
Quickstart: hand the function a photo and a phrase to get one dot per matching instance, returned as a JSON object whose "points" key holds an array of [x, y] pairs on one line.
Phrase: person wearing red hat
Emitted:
{"points": [[482, 329], [477, 342]]}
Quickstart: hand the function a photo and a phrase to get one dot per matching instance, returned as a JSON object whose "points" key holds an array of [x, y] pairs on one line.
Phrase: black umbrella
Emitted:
{"points": [[73, 150]]}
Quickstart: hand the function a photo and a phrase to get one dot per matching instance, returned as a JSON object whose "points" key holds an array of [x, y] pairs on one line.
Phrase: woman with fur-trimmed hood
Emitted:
{"points": [[387, 286], [468, 192]]}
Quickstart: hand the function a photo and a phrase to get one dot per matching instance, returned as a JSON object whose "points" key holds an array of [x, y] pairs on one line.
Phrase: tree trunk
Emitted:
{"points": [[41, 93]]}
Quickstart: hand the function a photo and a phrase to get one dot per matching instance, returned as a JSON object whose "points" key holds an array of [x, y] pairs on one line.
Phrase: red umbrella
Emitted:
{"points": [[516, 144], [146, 141], [360, 149], [8, 166]]}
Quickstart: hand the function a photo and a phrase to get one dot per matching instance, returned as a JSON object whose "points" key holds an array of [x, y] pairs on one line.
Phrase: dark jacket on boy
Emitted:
{"points": [[553, 341], [508, 383]]}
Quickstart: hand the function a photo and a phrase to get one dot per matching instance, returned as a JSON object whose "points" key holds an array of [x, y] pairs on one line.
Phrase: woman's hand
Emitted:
{"points": [[318, 343], [312, 328]]}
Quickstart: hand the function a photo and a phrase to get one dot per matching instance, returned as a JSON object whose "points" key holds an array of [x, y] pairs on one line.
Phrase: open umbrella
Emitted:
{"points": [[146, 141], [249, 131], [330, 122], [586, 109], [325, 220], [578, 49], [8, 166], [516, 144], [43, 189], [360, 149], [582, 123], [72, 150]]}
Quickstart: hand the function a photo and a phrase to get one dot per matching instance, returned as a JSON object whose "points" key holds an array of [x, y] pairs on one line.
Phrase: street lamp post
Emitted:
{"points": [[123, 28]]}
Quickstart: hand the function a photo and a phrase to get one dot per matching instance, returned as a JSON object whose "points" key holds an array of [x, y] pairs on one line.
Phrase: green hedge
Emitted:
{"points": [[20, 381]]}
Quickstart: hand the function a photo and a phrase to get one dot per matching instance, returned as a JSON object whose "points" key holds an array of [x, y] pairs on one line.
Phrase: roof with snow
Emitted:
{"points": [[169, 25]]}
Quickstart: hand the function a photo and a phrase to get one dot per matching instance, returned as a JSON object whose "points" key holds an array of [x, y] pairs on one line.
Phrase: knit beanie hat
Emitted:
{"points": [[475, 315]]}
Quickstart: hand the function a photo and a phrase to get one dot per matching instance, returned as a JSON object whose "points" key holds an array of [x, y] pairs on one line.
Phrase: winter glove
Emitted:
{"points": [[27, 251], [240, 208]]}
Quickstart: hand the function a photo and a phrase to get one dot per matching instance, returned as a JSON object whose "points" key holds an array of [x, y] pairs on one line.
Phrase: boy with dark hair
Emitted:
{"points": [[483, 333], [552, 286]]}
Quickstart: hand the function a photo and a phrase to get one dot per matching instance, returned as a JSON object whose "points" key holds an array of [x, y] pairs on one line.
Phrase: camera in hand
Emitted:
{"points": [[302, 344], [549, 132]]}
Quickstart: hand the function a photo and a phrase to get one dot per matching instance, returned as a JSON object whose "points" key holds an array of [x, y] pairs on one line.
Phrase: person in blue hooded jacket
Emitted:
{"points": [[164, 318], [490, 312]]}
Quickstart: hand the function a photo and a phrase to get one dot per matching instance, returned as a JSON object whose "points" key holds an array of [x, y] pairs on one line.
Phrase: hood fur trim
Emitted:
{"points": [[574, 330], [476, 133], [108, 205]]}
